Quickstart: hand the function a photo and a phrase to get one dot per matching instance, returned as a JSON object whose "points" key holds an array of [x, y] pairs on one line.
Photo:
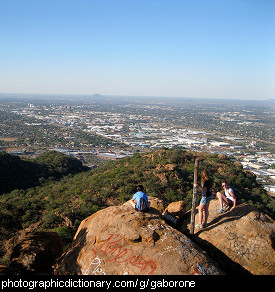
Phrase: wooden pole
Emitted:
{"points": [[192, 223]]}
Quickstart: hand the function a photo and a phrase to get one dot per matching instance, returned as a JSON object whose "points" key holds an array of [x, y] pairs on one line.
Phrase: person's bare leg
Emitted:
{"points": [[200, 214], [133, 204], [206, 213], [221, 198]]}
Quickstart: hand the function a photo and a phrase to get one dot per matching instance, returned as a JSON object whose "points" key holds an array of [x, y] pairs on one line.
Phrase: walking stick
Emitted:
{"points": [[192, 224]]}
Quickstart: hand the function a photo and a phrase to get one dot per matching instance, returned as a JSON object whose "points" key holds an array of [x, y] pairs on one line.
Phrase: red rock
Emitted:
{"points": [[119, 240], [243, 237]]}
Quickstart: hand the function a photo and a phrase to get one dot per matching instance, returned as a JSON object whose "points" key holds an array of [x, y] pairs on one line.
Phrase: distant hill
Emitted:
{"points": [[166, 174]]}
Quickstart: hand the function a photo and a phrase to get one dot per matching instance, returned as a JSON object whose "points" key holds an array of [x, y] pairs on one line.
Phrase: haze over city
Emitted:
{"points": [[206, 49]]}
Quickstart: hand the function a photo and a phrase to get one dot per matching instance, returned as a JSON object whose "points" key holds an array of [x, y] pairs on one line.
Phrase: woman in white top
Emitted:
{"points": [[228, 198]]}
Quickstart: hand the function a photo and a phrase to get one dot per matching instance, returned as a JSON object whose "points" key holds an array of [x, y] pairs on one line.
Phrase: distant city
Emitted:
{"points": [[97, 128]]}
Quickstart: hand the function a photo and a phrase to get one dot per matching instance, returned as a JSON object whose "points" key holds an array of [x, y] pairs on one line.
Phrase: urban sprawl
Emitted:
{"points": [[94, 132]]}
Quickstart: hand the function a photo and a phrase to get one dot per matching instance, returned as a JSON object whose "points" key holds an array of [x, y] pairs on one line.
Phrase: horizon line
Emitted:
{"points": [[134, 96]]}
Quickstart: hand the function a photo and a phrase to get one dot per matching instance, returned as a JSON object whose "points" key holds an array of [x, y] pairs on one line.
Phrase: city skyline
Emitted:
{"points": [[205, 49]]}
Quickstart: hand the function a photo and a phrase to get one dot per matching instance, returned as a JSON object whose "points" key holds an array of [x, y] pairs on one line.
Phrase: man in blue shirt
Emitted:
{"points": [[140, 200]]}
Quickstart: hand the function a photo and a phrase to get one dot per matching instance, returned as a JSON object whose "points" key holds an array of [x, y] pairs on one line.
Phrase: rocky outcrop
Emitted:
{"points": [[121, 241], [242, 241], [36, 252], [174, 212], [10, 244], [157, 205], [162, 174]]}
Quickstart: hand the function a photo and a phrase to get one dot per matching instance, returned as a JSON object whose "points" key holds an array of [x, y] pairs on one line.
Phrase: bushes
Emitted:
{"points": [[8, 222], [16, 173], [50, 219], [58, 164], [66, 234]]}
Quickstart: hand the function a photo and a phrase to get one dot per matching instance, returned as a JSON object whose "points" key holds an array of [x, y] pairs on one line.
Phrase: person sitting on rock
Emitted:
{"points": [[228, 198], [140, 200]]}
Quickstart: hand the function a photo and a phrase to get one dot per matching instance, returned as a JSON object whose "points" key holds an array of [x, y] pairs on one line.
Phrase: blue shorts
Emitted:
{"points": [[206, 200]]}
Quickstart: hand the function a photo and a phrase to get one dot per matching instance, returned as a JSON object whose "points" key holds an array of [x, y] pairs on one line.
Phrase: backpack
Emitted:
{"points": [[142, 205]]}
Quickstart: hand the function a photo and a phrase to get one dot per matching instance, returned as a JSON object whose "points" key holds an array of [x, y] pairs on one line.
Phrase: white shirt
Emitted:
{"points": [[228, 195]]}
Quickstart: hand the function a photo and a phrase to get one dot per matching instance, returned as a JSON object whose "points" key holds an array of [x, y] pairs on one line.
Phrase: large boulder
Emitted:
{"points": [[36, 252], [119, 240], [242, 240], [156, 205], [175, 212]]}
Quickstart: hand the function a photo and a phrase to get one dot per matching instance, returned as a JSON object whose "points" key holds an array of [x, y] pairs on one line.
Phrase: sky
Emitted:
{"points": [[167, 48]]}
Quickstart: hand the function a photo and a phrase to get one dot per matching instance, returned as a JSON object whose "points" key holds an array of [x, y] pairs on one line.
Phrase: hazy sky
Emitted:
{"points": [[177, 48]]}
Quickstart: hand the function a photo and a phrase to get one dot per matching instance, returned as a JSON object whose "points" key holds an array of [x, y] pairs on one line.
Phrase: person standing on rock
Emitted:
{"points": [[205, 200], [228, 198], [140, 200]]}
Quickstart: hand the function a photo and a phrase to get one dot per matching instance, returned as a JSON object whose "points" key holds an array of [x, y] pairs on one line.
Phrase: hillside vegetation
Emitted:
{"points": [[167, 174], [17, 173]]}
